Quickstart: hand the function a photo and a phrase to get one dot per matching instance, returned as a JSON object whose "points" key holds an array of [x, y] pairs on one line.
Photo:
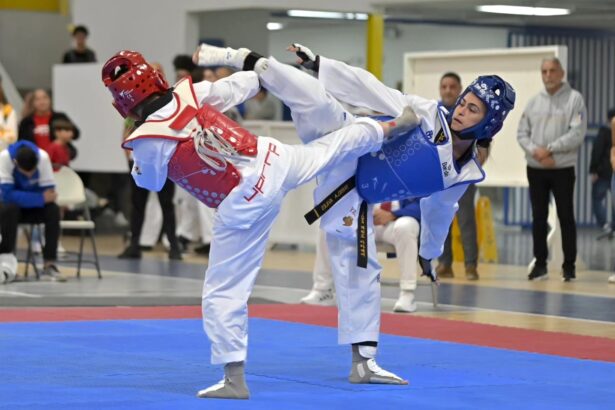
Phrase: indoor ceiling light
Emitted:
{"points": [[524, 11], [272, 26], [327, 15]]}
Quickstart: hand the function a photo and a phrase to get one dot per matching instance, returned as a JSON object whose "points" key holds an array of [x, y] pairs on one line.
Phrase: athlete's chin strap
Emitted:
{"points": [[214, 150]]}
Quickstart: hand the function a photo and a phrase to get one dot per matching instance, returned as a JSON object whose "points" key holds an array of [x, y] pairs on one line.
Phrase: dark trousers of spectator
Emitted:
{"points": [[599, 190], [559, 182], [12, 215], [139, 200], [466, 217]]}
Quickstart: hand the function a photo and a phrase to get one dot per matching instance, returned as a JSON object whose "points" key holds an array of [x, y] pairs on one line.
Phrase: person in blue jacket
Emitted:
{"points": [[27, 195]]}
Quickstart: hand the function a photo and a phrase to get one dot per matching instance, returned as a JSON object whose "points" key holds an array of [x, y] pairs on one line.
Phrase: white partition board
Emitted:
{"points": [[506, 166], [79, 92]]}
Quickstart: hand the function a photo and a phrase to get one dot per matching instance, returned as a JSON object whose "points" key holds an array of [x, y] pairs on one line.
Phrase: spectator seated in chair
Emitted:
{"points": [[28, 195]]}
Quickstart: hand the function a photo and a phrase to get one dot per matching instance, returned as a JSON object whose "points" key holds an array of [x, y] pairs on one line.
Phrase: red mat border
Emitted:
{"points": [[554, 343]]}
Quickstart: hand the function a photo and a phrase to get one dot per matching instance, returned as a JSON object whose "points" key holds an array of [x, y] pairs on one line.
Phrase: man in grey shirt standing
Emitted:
{"points": [[550, 132]]}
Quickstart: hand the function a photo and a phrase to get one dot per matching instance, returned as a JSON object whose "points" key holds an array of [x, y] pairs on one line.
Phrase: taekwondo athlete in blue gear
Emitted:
{"points": [[411, 168], [409, 155]]}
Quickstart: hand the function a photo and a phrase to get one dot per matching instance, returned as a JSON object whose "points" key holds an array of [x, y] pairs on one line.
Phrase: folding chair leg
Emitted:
{"points": [[37, 272], [30, 257], [29, 251], [42, 245], [434, 294], [95, 253], [80, 257]]}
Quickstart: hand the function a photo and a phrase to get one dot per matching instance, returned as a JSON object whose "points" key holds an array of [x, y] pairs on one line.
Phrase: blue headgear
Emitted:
{"points": [[499, 99]]}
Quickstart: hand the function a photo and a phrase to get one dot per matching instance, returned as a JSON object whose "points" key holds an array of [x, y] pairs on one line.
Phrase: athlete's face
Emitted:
{"points": [[468, 113]]}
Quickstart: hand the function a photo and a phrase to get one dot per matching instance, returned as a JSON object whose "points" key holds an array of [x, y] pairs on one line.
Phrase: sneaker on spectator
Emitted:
{"points": [[406, 302], [175, 254], [131, 252], [612, 278], [471, 272], [203, 249], [120, 220], [538, 273], [52, 274], [444, 271], [607, 232], [568, 274], [183, 243], [319, 297]]}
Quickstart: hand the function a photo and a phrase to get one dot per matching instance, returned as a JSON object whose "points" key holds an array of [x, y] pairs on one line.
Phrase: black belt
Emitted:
{"points": [[362, 236], [333, 198]]}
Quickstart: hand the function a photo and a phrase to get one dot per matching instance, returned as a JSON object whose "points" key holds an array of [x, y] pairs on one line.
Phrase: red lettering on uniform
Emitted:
{"points": [[258, 187]]}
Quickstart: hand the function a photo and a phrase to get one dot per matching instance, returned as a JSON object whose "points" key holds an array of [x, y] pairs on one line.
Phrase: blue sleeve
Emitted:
{"points": [[409, 207], [25, 199]]}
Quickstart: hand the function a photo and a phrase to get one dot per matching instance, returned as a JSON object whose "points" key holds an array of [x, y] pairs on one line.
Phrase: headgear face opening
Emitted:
{"points": [[499, 99], [131, 80]]}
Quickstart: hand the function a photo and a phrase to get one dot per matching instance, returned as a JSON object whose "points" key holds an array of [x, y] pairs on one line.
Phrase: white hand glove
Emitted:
{"points": [[306, 58]]}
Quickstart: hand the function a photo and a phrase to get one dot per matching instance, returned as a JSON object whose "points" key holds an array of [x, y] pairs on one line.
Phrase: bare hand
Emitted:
{"points": [[593, 177], [49, 195], [548, 162], [540, 153], [195, 55], [613, 158], [382, 217]]}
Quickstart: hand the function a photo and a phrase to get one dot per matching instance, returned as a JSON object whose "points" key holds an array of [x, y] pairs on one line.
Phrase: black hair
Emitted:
{"points": [[485, 143], [452, 75], [26, 158], [81, 29], [197, 75], [183, 62], [611, 114], [60, 124]]}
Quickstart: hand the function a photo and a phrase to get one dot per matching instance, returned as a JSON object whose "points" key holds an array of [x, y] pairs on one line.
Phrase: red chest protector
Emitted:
{"points": [[209, 184]]}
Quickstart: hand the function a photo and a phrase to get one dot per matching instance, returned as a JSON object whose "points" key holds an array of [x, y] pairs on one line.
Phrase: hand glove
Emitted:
{"points": [[307, 58], [427, 269], [407, 121]]}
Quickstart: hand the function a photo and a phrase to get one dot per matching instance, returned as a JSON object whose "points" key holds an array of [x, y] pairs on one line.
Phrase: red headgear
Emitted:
{"points": [[131, 80]]}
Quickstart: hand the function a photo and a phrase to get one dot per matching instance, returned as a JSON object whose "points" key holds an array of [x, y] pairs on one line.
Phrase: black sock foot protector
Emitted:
{"points": [[366, 343]]}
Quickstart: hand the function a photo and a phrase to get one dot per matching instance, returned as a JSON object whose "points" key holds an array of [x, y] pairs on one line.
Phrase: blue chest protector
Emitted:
{"points": [[406, 166]]}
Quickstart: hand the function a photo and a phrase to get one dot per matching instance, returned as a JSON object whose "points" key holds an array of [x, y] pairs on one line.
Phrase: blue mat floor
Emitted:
{"points": [[161, 364]]}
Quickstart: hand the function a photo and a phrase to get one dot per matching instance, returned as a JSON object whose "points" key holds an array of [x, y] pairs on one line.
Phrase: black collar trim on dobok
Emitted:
{"points": [[155, 105]]}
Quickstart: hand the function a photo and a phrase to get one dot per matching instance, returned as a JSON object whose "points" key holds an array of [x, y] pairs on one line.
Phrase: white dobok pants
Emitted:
{"points": [[237, 251], [314, 113]]}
